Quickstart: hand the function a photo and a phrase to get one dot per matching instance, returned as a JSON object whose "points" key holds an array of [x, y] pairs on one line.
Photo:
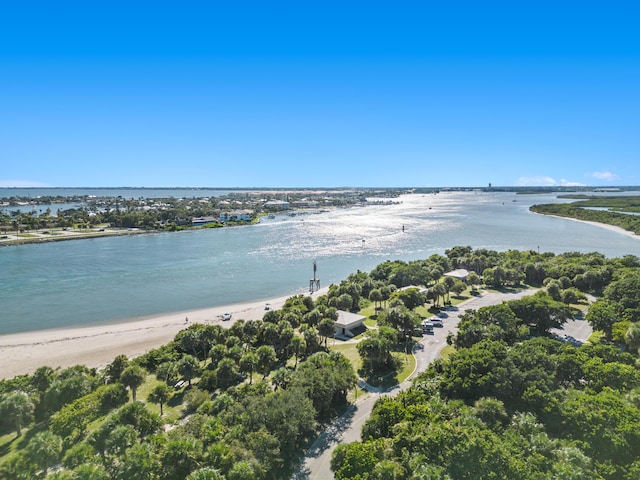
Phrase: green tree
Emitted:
{"points": [[248, 364], [89, 471], [115, 368], [632, 337], [206, 473], [44, 450], [180, 457], [266, 359], [473, 279], [326, 329], [242, 470], [376, 297], [140, 462], [71, 384], [119, 440], [227, 372], [189, 368], [541, 312], [602, 315], [281, 378], [375, 352], [167, 372], [326, 378], [19, 407], [160, 395], [132, 377], [405, 321], [42, 379], [410, 298], [298, 346]]}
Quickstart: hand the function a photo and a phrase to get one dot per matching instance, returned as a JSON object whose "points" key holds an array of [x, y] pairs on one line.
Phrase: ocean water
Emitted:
{"points": [[102, 280]]}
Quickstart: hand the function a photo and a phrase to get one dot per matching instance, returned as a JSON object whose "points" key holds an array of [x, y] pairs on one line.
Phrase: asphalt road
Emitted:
{"points": [[316, 464]]}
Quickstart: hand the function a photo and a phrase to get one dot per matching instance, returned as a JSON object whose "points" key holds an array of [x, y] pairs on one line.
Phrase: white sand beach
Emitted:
{"points": [[96, 346], [613, 228]]}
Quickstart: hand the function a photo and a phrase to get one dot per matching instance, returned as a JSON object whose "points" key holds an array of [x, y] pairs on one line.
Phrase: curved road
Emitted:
{"points": [[316, 464]]}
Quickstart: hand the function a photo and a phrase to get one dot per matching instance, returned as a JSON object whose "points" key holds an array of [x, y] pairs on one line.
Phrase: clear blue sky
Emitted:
{"points": [[286, 94]]}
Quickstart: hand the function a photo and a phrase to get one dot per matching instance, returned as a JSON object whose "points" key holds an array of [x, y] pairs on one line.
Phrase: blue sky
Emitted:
{"points": [[294, 94]]}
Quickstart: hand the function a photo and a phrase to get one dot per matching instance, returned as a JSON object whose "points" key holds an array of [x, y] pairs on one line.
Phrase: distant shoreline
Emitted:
{"points": [[606, 226], [75, 235]]}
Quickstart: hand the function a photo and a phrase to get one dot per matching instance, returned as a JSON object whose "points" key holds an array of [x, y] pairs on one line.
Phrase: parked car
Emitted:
{"points": [[226, 316], [427, 327], [437, 322]]}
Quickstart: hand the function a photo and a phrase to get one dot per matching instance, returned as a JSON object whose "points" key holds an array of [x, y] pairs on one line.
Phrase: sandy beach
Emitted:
{"points": [[613, 228], [96, 346]]}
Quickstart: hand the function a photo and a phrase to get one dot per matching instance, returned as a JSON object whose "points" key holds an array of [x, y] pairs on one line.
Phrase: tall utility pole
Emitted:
{"points": [[314, 283]]}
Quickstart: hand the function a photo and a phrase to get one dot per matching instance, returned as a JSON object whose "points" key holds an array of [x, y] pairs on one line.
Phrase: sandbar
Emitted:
{"points": [[96, 346]]}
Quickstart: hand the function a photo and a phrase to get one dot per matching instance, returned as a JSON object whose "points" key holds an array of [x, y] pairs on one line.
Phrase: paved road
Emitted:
{"points": [[316, 464]]}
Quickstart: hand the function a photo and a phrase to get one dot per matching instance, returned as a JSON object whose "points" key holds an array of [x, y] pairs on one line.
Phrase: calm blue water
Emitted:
{"points": [[110, 279]]}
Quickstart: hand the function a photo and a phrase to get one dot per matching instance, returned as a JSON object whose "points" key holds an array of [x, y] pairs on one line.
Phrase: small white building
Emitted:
{"points": [[347, 322], [421, 290], [237, 216], [460, 274]]}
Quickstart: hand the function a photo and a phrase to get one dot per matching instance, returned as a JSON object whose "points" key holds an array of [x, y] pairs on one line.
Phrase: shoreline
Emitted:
{"points": [[97, 346], [73, 235], [606, 226]]}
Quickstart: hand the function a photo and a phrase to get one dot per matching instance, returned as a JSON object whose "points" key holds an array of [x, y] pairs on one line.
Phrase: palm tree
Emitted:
{"points": [[44, 449], [189, 367], [298, 345], [281, 378], [326, 329], [376, 297], [133, 376], [248, 364], [17, 405], [160, 395]]}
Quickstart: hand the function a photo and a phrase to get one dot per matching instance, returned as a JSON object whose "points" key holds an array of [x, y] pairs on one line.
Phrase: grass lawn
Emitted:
{"points": [[447, 351], [407, 361], [10, 445], [350, 351], [409, 365], [367, 311], [371, 315], [172, 410]]}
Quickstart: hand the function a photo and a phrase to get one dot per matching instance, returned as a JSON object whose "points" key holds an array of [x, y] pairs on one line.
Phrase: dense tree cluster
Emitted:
{"points": [[537, 409], [512, 401]]}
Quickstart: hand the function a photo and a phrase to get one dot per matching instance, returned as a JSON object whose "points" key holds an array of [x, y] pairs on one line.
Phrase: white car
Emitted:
{"points": [[226, 316]]}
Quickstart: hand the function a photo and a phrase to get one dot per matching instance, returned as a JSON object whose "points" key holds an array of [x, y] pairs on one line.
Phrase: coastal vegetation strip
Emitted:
{"points": [[607, 210], [244, 401]]}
